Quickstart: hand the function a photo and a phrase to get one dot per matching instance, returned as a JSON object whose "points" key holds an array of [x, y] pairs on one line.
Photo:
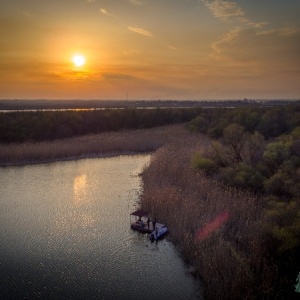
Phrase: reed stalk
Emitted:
{"points": [[216, 227], [96, 145]]}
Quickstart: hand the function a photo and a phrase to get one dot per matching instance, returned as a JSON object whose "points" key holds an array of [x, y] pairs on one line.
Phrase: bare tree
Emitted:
{"points": [[235, 137]]}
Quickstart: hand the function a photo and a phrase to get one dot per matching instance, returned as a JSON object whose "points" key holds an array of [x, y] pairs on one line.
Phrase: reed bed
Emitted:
{"points": [[216, 227], [104, 144]]}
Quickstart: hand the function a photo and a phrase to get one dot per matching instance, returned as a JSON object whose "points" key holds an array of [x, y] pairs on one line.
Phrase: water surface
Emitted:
{"points": [[64, 234]]}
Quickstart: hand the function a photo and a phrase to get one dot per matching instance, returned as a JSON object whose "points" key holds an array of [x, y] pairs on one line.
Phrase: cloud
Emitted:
{"points": [[172, 47], [228, 38], [231, 11], [288, 31], [284, 32], [105, 12], [266, 32], [141, 31], [249, 44], [90, 1], [27, 13], [224, 10], [136, 2], [117, 76], [258, 25], [131, 52], [231, 35], [277, 48]]}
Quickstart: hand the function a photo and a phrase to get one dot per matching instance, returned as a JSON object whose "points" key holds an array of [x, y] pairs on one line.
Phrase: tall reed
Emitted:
{"points": [[216, 227], [111, 143]]}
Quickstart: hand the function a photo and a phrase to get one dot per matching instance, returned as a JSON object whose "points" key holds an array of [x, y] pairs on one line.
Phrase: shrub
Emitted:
{"points": [[279, 185], [248, 177], [205, 164]]}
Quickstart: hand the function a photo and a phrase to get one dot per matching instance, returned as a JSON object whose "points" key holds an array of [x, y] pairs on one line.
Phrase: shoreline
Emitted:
{"points": [[90, 146], [72, 158], [164, 136]]}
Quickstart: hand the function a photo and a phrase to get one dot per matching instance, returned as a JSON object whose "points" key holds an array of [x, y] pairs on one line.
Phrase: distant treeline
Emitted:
{"points": [[41, 126], [269, 121], [92, 104]]}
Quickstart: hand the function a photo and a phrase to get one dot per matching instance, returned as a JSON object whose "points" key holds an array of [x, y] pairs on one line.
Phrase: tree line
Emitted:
{"points": [[18, 127]]}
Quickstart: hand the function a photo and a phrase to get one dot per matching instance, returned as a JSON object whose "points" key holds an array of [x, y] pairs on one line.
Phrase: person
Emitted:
{"points": [[139, 221], [148, 223], [142, 224], [154, 223]]}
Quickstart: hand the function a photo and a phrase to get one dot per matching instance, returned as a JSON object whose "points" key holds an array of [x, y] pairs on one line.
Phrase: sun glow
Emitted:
{"points": [[78, 60]]}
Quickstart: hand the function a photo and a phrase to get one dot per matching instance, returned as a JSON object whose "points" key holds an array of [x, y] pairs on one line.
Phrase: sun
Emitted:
{"points": [[78, 60]]}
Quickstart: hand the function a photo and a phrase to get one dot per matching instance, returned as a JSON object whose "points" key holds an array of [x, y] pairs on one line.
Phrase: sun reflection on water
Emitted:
{"points": [[80, 192]]}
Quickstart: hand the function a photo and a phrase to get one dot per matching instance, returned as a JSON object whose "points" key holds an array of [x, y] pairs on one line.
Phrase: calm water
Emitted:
{"points": [[64, 234]]}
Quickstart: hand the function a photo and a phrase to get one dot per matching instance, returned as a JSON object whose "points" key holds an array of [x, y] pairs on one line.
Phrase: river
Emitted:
{"points": [[65, 234]]}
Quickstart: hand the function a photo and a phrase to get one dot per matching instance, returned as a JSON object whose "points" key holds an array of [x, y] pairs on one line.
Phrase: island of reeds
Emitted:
{"points": [[225, 180]]}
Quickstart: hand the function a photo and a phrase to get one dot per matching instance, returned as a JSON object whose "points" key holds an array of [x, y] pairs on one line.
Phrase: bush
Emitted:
{"points": [[205, 164], [279, 184], [248, 177]]}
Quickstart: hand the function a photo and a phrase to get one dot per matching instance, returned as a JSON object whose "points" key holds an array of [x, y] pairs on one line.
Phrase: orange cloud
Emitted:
{"points": [[141, 31]]}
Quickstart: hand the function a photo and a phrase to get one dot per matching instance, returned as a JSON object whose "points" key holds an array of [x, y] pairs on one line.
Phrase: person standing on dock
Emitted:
{"points": [[154, 223]]}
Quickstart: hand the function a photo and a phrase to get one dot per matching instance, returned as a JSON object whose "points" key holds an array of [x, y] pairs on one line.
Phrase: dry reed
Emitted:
{"points": [[105, 144], [216, 227]]}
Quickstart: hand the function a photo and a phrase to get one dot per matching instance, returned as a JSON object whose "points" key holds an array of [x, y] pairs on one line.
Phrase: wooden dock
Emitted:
{"points": [[142, 227]]}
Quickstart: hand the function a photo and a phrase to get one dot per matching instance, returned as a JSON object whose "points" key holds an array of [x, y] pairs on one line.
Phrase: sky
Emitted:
{"points": [[150, 49]]}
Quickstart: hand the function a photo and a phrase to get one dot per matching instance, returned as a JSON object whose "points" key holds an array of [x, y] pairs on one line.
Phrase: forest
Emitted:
{"points": [[17, 127], [259, 150]]}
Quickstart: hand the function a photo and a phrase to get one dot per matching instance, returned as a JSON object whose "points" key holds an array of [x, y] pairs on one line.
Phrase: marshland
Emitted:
{"points": [[226, 181]]}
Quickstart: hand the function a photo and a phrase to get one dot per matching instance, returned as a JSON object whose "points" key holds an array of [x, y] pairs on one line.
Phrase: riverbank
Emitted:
{"points": [[216, 227], [96, 145]]}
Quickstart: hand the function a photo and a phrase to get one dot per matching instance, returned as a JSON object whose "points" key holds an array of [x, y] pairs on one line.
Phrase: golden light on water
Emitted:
{"points": [[80, 189]]}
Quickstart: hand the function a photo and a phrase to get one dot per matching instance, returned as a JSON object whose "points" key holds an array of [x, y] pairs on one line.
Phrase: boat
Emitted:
{"points": [[140, 221], [159, 232]]}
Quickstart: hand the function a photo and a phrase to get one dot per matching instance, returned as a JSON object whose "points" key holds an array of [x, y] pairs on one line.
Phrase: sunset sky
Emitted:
{"points": [[150, 49]]}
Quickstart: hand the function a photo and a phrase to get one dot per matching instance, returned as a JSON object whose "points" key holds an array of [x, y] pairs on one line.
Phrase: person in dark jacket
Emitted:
{"points": [[154, 223]]}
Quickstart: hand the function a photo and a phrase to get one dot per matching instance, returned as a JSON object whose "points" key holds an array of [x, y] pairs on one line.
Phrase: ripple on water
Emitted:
{"points": [[64, 234]]}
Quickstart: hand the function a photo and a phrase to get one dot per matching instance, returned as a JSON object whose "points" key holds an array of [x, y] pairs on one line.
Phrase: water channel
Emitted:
{"points": [[64, 234]]}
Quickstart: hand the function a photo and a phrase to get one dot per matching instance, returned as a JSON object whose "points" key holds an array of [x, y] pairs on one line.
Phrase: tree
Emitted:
{"points": [[235, 138], [255, 147], [275, 154]]}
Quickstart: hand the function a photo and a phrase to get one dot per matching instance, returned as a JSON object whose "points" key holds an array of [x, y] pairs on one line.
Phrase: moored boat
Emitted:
{"points": [[159, 232], [143, 224]]}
